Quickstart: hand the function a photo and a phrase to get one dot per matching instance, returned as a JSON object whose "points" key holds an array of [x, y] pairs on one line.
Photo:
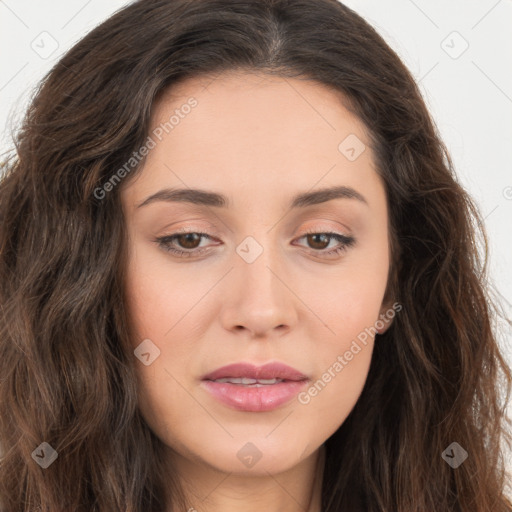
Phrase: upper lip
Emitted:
{"points": [[267, 371]]}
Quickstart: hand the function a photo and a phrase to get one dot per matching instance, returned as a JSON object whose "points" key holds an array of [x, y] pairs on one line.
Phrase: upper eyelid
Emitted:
{"points": [[204, 234], [215, 231]]}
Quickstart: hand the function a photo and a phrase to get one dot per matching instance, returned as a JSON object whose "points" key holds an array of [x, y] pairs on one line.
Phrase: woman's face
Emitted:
{"points": [[257, 289]]}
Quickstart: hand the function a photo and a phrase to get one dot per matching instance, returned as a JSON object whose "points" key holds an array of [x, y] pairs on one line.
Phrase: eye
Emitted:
{"points": [[187, 239], [188, 243], [321, 240]]}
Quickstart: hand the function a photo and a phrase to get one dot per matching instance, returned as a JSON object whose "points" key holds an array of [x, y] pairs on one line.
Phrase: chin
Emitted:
{"points": [[255, 456]]}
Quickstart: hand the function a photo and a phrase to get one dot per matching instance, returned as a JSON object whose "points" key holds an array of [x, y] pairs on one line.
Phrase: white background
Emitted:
{"points": [[468, 92]]}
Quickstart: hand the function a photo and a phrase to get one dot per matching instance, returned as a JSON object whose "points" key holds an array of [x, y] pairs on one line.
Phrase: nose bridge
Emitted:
{"points": [[259, 301], [258, 261]]}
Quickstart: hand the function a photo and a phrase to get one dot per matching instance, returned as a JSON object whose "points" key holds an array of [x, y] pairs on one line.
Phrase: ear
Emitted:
{"points": [[387, 313]]}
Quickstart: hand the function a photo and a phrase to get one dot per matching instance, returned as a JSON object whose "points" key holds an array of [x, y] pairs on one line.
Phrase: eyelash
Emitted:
{"points": [[165, 241]]}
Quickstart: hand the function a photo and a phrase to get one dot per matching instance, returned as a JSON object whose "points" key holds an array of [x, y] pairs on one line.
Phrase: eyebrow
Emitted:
{"points": [[207, 198]]}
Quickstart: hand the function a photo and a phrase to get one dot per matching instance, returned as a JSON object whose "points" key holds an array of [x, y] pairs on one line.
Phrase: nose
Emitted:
{"points": [[258, 297]]}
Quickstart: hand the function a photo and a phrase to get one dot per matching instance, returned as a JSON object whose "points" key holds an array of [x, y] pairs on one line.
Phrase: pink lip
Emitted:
{"points": [[255, 399], [267, 371]]}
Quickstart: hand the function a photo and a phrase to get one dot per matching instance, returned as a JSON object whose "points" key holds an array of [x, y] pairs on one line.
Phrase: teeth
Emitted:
{"points": [[246, 381]]}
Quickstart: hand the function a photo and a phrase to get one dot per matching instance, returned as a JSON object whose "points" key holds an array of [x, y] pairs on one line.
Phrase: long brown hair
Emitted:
{"points": [[67, 373]]}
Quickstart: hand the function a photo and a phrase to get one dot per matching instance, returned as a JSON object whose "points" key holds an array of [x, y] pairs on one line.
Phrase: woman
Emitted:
{"points": [[238, 272]]}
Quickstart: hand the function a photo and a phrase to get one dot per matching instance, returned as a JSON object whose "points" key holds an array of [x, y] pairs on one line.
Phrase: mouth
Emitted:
{"points": [[249, 383], [249, 388]]}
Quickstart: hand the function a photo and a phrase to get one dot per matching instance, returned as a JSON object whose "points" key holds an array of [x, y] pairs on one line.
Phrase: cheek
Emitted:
{"points": [[162, 401], [342, 356], [347, 302], [348, 306], [159, 298]]}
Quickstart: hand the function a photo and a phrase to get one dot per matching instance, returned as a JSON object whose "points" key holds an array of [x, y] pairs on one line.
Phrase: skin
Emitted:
{"points": [[259, 140]]}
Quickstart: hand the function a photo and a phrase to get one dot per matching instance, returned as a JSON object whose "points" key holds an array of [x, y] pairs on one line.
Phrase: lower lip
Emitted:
{"points": [[254, 399]]}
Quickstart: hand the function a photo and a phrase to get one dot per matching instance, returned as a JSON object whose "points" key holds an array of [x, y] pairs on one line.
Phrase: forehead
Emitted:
{"points": [[259, 102], [248, 130]]}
